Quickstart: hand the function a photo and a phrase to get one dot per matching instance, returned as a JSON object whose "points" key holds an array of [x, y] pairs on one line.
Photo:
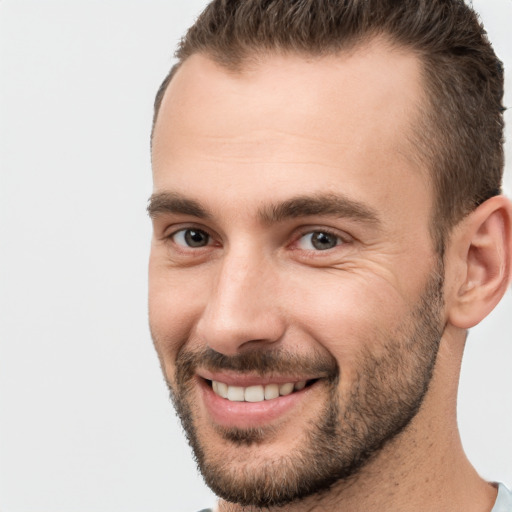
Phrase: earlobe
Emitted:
{"points": [[484, 252]]}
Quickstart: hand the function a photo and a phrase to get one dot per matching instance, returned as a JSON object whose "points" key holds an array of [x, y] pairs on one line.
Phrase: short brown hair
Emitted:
{"points": [[460, 132]]}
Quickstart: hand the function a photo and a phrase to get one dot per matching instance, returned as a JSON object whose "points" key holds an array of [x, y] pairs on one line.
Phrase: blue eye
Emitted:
{"points": [[318, 241], [191, 238]]}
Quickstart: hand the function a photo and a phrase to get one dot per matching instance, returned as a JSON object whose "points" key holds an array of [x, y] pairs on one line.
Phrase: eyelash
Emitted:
{"points": [[294, 245]]}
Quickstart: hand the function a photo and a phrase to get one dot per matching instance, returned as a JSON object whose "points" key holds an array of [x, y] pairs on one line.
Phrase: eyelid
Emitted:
{"points": [[170, 230]]}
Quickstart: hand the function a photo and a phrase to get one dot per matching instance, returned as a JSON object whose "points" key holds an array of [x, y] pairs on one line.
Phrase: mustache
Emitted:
{"points": [[262, 362]]}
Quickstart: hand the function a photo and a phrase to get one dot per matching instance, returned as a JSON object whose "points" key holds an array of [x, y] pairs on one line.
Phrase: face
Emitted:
{"points": [[295, 297]]}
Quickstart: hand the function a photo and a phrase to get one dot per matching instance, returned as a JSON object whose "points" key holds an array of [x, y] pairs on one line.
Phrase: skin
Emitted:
{"points": [[239, 143]]}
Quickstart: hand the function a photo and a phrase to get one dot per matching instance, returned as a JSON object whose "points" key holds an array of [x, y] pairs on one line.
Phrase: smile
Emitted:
{"points": [[257, 393], [235, 400]]}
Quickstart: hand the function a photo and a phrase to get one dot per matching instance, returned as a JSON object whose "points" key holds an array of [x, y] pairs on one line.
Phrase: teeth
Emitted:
{"points": [[255, 393], [286, 389], [271, 391], [299, 385], [236, 394], [222, 389]]}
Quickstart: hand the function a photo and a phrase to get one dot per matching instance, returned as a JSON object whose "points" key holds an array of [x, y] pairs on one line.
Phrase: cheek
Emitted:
{"points": [[349, 312], [173, 308]]}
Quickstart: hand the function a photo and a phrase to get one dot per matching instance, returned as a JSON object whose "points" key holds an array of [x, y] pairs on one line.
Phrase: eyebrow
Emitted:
{"points": [[170, 202], [320, 204], [300, 206]]}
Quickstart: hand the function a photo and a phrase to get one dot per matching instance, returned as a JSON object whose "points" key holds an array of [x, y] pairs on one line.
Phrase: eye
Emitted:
{"points": [[318, 241], [191, 238]]}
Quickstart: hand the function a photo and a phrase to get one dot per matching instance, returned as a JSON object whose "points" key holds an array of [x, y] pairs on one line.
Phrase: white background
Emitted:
{"points": [[85, 420]]}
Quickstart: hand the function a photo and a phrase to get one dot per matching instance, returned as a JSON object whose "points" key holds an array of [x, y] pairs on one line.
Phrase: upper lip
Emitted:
{"points": [[244, 380]]}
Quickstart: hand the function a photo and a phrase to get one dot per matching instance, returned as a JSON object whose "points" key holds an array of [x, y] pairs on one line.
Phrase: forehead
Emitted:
{"points": [[288, 118]]}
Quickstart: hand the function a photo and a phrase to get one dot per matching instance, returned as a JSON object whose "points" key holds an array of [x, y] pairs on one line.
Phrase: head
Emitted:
{"points": [[325, 178]]}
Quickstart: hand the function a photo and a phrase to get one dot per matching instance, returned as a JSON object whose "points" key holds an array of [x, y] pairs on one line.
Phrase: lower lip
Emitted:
{"points": [[225, 413]]}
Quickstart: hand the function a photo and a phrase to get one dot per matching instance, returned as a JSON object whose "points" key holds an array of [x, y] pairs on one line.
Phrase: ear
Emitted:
{"points": [[480, 254]]}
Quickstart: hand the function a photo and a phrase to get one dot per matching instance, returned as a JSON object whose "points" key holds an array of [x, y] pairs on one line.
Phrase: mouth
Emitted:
{"points": [[259, 392], [242, 401]]}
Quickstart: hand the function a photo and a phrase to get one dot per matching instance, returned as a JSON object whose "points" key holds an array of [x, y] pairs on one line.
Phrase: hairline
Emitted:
{"points": [[242, 62]]}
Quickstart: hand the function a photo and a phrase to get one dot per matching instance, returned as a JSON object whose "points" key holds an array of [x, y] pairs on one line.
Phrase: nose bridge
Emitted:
{"points": [[241, 308]]}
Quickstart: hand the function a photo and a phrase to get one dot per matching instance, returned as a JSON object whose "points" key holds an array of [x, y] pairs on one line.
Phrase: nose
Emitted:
{"points": [[242, 311]]}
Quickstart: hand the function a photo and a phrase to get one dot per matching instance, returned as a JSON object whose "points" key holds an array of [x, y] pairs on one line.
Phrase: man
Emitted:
{"points": [[328, 224]]}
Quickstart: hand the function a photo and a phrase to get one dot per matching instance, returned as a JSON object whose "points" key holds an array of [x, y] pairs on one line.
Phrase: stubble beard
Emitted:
{"points": [[351, 430]]}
